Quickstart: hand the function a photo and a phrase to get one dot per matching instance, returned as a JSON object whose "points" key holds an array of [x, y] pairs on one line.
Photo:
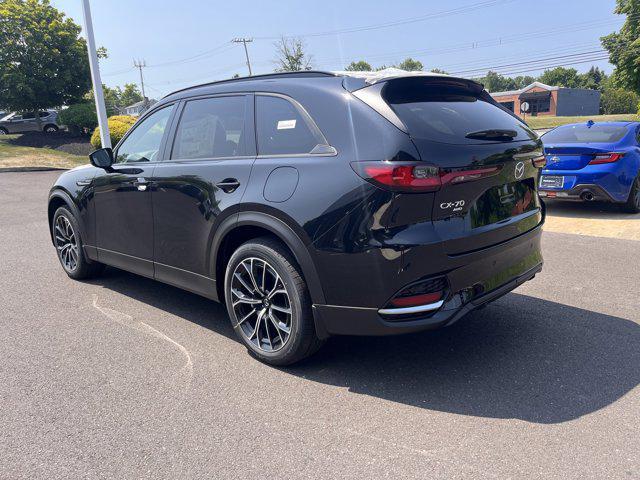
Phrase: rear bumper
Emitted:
{"points": [[579, 193], [607, 183], [487, 275]]}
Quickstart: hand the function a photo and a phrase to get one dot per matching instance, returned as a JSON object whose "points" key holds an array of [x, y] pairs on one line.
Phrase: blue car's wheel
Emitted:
{"points": [[633, 203]]}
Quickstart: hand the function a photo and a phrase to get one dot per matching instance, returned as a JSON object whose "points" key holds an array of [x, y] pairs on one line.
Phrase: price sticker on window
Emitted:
{"points": [[286, 124]]}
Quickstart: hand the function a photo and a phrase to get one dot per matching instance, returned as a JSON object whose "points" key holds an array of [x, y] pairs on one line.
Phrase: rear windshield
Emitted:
{"points": [[447, 114], [585, 134]]}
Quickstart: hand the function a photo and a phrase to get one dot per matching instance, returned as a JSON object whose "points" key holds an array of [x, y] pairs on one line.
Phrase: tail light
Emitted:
{"points": [[601, 158], [540, 162], [416, 177]]}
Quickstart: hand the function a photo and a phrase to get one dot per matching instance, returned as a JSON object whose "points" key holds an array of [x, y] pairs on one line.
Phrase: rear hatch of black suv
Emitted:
{"points": [[484, 162]]}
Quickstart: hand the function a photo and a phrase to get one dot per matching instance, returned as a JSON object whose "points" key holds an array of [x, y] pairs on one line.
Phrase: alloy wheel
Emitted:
{"points": [[261, 304], [66, 243]]}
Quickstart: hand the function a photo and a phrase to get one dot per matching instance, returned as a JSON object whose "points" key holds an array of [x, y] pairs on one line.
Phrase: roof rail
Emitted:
{"points": [[300, 74]]}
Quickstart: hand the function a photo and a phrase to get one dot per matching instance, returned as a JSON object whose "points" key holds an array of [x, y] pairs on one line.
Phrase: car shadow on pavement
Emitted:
{"points": [[521, 357], [587, 210]]}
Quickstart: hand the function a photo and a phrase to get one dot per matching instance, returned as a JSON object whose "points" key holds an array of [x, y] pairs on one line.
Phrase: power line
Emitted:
{"points": [[421, 18], [529, 62], [556, 65], [244, 41], [207, 53]]}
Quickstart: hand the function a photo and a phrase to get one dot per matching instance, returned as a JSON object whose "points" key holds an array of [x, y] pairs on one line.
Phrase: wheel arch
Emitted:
{"points": [[59, 198], [243, 226]]}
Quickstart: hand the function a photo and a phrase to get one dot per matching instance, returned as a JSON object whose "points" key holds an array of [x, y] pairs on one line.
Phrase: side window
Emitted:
{"points": [[43, 114], [282, 129], [143, 144], [211, 128], [28, 116]]}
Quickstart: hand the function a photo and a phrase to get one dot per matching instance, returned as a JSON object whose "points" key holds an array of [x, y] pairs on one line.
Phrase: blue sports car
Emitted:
{"points": [[593, 161]]}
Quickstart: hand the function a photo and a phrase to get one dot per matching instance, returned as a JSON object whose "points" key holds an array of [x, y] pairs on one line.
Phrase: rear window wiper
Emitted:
{"points": [[492, 134]]}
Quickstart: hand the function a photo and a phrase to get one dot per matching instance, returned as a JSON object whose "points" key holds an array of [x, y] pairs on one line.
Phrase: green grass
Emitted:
{"points": [[13, 156], [551, 122]]}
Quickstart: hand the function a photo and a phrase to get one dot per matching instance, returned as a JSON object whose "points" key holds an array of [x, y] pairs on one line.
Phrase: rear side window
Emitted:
{"points": [[585, 134], [283, 129], [447, 114], [211, 128]]}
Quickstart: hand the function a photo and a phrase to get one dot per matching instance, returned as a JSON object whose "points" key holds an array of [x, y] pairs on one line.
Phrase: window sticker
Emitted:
{"points": [[286, 124]]}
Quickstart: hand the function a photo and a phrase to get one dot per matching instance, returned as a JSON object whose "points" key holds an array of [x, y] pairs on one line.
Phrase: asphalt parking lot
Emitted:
{"points": [[123, 377]]}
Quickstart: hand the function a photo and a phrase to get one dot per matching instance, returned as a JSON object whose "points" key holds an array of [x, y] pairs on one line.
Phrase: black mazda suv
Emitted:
{"points": [[315, 204]]}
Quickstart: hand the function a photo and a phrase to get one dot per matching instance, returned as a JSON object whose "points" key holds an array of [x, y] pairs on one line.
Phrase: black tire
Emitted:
{"points": [[82, 267], [50, 129], [4, 131], [633, 202], [301, 341]]}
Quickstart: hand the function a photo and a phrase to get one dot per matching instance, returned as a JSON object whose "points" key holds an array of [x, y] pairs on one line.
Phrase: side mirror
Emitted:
{"points": [[102, 158]]}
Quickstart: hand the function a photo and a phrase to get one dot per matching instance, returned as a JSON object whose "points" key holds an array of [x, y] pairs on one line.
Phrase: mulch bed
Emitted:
{"points": [[63, 141]]}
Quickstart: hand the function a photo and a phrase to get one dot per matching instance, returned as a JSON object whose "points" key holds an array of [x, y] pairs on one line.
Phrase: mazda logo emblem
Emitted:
{"points": [[555, 160], [519, 170]]}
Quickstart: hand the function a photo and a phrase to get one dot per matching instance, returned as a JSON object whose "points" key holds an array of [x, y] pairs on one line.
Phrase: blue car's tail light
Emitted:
{"points": [[601, 158]]}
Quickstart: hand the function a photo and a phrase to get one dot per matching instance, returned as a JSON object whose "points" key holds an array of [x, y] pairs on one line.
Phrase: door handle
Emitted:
{"points": [[228, 185], [141, 183]]}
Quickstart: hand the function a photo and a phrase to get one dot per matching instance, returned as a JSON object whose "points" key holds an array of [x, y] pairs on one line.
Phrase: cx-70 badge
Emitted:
{"points": [[457, 206]]}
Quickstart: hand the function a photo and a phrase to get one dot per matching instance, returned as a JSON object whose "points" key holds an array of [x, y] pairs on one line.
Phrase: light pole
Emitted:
{"points": [[95, 77]]}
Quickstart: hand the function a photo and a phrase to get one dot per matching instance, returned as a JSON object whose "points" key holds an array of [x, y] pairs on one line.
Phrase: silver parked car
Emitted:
{"points": [[26, 122]]}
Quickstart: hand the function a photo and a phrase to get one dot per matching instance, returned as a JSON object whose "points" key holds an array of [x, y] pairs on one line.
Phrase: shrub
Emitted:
{"points": [[79, 117], [118, 126], [616, 101]]}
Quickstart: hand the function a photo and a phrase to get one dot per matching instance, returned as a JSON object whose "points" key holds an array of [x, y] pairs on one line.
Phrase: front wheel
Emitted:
{"points": [[269, 304], [633, 202], [3, 131], [68, 243], [50, 129]]}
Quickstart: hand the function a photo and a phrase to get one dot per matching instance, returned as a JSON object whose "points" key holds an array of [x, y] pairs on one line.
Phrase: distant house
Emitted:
{"points": [[547, 100], [138, 108]]}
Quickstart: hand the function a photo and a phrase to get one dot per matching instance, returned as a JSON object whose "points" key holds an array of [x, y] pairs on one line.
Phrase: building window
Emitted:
{"points": [[508, 105], [540, 105]]}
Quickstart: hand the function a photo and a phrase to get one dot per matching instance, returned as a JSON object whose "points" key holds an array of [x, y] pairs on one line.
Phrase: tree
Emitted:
{"points": [[561, 77], [593, 79], [111, 99], [624, 46], [410, 65], [360, 66], [438, 70], [43, 60], [617, 100], [129, 95], [494, 82], [291, 55], [521, 82], [79, 117]]}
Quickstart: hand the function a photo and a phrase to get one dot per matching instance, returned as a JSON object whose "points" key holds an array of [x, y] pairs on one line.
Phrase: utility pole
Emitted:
{"points": [[95, 76], [244, 41], [140, 65]]}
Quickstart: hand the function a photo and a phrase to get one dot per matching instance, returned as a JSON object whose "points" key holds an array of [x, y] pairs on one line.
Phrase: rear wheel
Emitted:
{"points": [[268, 303], [633, 202], [68, 243], [50, 129]]}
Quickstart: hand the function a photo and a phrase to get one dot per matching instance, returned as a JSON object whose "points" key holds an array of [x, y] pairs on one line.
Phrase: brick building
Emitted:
{"points": [[547, 100]]}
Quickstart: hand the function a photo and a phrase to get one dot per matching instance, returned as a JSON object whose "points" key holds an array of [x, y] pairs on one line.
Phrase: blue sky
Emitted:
{"points": [[462, 36]]}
